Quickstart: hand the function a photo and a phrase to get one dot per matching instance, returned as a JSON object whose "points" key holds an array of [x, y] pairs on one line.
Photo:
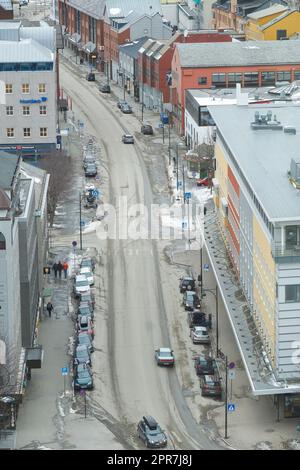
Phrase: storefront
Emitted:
{"points": [[291, 405]]}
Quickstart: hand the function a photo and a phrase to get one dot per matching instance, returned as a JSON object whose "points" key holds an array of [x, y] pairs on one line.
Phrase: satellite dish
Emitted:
{"points": [[185, 33]]}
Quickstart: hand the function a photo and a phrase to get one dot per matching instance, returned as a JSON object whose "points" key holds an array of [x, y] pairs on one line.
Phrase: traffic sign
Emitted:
{"points": [[231, 365], [64, 371], [82, 223], [187, 195], [74, 243], [206, 267], [95, 193], [184, 224], [231, 374], [231, 407]]}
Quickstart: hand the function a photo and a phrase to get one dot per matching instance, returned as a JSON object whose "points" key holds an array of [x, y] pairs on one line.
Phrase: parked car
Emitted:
{"points": [[91, 169], [88, 262], [83, 377], [127, 139], [89, 298], [81, 285], [85, 271], [104, 88], [90, 77], [198, 318], [85, 308], [203, 181], [199, 335], [151, 433], [88, 159], [191, 300], [146, 129], [82, 355], [205, 365], [210, 386], [84, 323], [23, 3], [85, 338], [121, 103], [187, 283], [164, 357], [126, 109]]}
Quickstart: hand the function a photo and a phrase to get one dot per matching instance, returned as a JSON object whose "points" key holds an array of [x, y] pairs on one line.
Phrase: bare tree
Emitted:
{"points": [[59, 166]]}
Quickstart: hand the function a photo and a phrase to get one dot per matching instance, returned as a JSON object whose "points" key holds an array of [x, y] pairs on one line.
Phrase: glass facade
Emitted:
{"points": [[268, 78]]}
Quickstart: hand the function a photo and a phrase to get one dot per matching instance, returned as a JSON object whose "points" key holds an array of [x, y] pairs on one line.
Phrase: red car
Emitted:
{"points": [[203, 181], [210, 386]]}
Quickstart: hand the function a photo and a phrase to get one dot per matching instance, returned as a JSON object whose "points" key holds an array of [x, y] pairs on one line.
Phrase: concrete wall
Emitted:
{"points": [[152, 27]]}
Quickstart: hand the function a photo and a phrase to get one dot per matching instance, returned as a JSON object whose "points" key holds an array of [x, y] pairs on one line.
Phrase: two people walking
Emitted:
{"points": [[59, 268]]}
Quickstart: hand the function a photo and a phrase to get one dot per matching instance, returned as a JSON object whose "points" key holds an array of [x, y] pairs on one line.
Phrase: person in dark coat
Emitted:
{"points": [[49, 308], [60, 269], [55, 268]]}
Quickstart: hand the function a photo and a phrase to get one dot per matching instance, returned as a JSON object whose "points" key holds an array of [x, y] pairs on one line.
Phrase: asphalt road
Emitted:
{"points": [[136, 303]]}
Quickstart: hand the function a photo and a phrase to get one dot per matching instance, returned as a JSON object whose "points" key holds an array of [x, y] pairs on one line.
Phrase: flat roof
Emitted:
{"points": [[27, 50], [264, 156]]}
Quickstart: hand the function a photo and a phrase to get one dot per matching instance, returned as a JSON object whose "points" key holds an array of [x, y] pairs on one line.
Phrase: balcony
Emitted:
{"points": [[286, 254]]}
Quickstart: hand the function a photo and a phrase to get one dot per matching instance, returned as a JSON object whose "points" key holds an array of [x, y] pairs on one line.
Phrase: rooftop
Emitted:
{"points": [[93, 8], [250, 53], [117, 9], [6, 4], [8, 166], [132, 48], [264, 156], [275, 20], [27, 50], [272, 10]]}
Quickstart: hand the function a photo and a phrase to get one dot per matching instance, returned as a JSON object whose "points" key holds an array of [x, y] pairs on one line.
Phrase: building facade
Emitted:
{"points": [[6, 10], [272, 27]]}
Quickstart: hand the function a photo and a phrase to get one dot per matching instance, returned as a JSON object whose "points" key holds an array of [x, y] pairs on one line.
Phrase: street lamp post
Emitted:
{"points": [[169, 148], [124, 84], [226, 395], [80, 221], [215, 293]]}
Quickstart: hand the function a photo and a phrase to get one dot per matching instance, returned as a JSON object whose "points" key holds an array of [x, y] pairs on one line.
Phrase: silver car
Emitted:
{"points": [[199, 335]]}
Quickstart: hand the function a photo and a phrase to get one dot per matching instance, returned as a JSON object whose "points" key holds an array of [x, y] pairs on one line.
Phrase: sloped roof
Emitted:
{"points": [[6, 4], [93, 8], [5, 202], [275, 20], [132, 48], [121, 9], [267, 11], [8, 166]]}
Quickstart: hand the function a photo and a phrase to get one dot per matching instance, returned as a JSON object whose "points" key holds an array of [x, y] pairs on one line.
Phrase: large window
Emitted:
{"points": [[219, 79], [10, 132], [292, 235], [234, 78], [297, 75], [43, 110], [251, 79], [92, 29], [42, 87], [283, 76], [43, 132], [8, 88], [268, 78], [292, 293], [205, 117], [26, 132], [26, 111], [25, 88], [77, 21], [9, 110]]}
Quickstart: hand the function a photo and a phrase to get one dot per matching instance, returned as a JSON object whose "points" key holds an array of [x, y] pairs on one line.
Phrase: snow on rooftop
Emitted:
{"points": [[114, 11]]}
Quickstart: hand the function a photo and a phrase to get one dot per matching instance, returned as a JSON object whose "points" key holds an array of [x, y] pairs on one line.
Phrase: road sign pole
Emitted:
{"points": [[226, 395], [64, 385]]}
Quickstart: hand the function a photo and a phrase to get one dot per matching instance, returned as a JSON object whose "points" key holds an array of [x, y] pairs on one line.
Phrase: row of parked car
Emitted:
{"points": [[84, 325], [199, 324]]}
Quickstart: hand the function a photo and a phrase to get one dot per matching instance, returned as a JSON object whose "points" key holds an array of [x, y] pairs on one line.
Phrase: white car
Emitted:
{"points": [[81, 285], [88, 274], [199, 335]]}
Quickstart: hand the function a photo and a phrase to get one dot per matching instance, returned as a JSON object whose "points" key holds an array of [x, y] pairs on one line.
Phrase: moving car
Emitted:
{"points": [[187, 283], [84, 338], [81, 286], [151, 433], [127, 139], [90, 77], [198, 318], [199, 335], [88, 158], [205, 365], [91, 169], [82, 355], [126, 109], [146, 129], [85, 308], [104, 88], [83, 377], [191, 300], [85, 271], [210, 386], [84, 323], [164, 357], [121, 103], [203, 181]]}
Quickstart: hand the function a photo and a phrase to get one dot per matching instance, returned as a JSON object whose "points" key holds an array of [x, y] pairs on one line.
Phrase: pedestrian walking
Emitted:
{"points": [[49, 308], [65, 267], [59, 268], [55, 269]]}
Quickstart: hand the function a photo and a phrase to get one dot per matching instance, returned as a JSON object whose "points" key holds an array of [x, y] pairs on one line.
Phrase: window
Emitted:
{"points": [[9, 110], [234, 78], [202, 80], [286, 76], [77, 21], [297, 75], [219, 79], [2, 242], [8, 88], [43, 131], [10, 132], [42, 87], [280, 34], [292, 235], [25, 88], [268, 78], [205, 117], [26, 132], [251, 78], [292, 293], [92, 29], [26, 110], [43, 110]]}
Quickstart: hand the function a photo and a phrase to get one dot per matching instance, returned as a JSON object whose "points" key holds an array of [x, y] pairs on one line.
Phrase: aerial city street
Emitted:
{"points": [[150, 226]]}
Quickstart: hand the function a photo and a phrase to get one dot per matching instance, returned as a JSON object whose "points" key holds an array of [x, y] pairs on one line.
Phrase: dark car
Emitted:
{"points": [[104, 88], [151, 433], [210, 386], [146, 129], [88, 263], [89, 298], [127, 139], [198, 318], [82, 355], [187, 283], [120, 103], [90, 77], [126, 109], [85, 308], [91, 169], [189, 300], [205, 365], [83, 377], [84, 338]]}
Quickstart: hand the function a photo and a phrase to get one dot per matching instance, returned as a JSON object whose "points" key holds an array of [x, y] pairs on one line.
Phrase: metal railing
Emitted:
{"points": [[292, 252]]}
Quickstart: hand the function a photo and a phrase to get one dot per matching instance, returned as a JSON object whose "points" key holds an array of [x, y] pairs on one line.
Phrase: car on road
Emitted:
{"points": [[85, 338], [199, 335], [104, 88], [83, 377], [125, 108], [164, 357], [85, 308], [82, 355], [121, 103], [84, 323], [81, 286], [88, 262], [146, 129], [190, 300], [210, 386], [85, 271], [90, 77], [203, 181], [91, 169], [89, 298], [151, 433], [127, 139], [205, 365], [88, 158], [187, 283], [197, 318]]}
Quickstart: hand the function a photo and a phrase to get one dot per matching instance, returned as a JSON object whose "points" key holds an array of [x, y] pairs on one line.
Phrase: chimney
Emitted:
{"points": [[233, 6]]}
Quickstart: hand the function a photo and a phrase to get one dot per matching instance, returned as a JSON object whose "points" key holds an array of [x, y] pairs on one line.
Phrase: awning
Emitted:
{"points": [[75, 38], [34, 357], [89, 47]]}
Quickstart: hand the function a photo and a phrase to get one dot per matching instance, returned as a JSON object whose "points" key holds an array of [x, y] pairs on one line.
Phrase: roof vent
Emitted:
{"points": [[265, 121], [294, 174], [289, 130]]}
